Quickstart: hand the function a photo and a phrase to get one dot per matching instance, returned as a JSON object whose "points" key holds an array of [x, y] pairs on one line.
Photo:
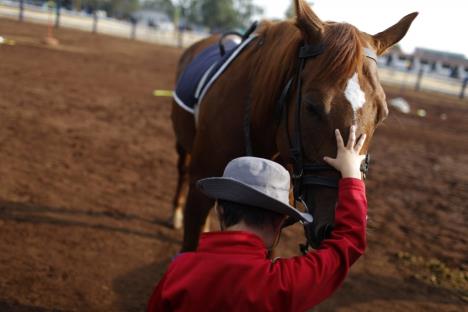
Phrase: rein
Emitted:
{"points": [[301, 170]]}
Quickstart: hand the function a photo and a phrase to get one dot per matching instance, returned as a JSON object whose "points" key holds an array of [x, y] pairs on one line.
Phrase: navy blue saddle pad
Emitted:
{"points": [[196, 76]]}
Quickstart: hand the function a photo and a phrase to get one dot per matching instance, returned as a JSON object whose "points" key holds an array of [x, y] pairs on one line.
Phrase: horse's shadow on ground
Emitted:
{"points": [[133, 289], [37, 214], [7, 306]]}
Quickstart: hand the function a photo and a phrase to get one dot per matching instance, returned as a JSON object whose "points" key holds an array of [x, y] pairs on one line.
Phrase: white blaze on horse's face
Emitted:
{"points": [[354, 93]]}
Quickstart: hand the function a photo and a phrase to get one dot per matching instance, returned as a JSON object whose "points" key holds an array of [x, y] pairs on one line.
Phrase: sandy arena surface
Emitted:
{"points": [[87, 173]]}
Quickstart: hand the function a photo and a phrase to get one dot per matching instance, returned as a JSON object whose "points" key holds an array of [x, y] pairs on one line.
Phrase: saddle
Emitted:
{"points": [[207, 67]]}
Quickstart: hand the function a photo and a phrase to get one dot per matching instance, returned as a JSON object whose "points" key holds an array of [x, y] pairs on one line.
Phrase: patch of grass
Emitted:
{"points": [[435, 272]]}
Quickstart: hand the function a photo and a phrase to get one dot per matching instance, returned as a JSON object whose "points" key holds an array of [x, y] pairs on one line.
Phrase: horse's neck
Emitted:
{"points": [[274, 66]]}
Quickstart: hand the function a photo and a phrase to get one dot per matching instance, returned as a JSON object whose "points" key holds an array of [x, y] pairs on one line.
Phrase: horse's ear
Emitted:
{"points": [[392, 35], [308, 22]]}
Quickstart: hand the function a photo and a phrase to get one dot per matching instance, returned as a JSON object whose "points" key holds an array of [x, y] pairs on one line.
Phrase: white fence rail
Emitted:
{"points": [[423, 81], [106, 26]]}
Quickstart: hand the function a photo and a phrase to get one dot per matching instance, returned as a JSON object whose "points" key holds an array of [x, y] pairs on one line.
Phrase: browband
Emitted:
{"points": [[370, 53], [310, 51]]}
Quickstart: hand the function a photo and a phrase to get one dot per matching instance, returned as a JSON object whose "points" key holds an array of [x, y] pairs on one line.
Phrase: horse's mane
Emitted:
{"points": [[279, 61], [276, 60]]}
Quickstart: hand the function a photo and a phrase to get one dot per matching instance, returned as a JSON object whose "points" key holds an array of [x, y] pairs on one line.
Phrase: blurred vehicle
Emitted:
{"points": [[154, 19]]}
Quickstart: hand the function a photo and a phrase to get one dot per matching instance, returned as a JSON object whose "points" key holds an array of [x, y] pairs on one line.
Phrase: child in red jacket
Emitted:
{"points": [[230, 271]]}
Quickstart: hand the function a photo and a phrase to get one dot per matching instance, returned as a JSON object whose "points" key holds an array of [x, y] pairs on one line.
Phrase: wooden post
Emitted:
{"points": [[77, 5], [50, 40], [179, 24], [95, 21], [134, 22], [21, 10], [50, 11], [463, 89], [180, 38], [57, 14], [418, 82]]}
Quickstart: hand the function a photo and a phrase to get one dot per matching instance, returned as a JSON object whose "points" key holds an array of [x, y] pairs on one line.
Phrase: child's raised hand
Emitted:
{"points": [[348, 160]]}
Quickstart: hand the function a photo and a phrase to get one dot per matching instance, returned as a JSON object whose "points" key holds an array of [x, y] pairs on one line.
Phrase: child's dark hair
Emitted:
{"points": [[234, 213]]}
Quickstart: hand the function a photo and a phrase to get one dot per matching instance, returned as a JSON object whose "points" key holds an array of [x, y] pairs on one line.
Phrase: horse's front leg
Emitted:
{"points": [[196, 212], [180, 196]]}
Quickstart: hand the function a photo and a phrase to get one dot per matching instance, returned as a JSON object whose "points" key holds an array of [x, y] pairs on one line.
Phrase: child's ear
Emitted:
{"points": [[220, 212], [219, 209], [278, 223]]}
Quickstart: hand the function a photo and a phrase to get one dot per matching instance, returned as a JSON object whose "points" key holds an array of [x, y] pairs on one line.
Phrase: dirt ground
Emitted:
{"points": [[87, 172]]}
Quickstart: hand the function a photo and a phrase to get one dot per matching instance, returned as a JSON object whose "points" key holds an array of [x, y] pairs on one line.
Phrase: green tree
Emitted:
{"points": [[114, 8], [215, 14], [166, 6], [220, 14], [120, 8], [246, 10], [290, 12]]}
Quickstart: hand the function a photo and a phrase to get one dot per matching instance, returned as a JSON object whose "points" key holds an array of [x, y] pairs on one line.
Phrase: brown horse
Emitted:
{"points": [[338, 87]]}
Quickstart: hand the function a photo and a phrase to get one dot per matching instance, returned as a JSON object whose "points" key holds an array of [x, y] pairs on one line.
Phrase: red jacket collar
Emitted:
{"points": [[232, 242]]}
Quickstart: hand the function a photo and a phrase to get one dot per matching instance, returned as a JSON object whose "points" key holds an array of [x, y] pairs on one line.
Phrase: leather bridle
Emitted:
{"points": [[305, 174]]}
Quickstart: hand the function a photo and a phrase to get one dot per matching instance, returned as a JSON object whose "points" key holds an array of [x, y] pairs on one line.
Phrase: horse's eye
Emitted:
{"points": [[314, 110]]}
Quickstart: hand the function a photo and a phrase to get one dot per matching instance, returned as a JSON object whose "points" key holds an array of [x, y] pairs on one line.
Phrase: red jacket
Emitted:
{"points": [[230, 270]]}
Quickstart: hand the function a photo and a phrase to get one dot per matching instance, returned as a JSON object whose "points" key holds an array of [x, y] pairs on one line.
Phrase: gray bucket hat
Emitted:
{"points": [[255, 182]]}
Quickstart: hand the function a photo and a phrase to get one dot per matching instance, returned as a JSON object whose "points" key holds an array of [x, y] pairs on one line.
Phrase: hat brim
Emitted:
{"points": [[235, 191]]}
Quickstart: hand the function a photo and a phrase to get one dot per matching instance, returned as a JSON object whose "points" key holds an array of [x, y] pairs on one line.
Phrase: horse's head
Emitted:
{"points": [[336, 86]]}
